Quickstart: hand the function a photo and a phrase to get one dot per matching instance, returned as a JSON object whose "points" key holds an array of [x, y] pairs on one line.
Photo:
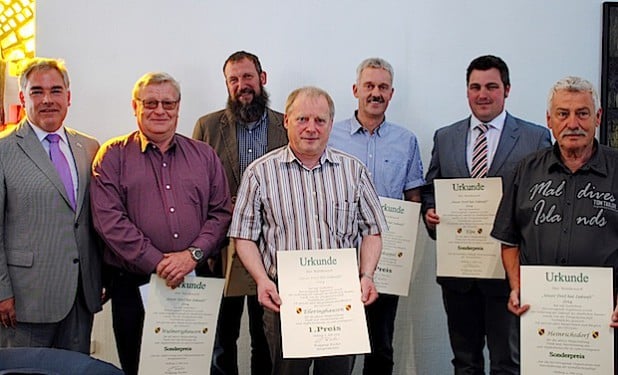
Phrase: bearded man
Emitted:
{"points": [[242, 132]]}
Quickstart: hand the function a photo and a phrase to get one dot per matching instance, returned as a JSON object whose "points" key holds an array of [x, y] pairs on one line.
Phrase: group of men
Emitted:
{"points": [[157, 202]]}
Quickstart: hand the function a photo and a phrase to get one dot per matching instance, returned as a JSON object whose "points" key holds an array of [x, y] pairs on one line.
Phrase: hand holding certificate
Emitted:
{"points": [[566, 330], [179, 327], [467, 209], [321, 311]]}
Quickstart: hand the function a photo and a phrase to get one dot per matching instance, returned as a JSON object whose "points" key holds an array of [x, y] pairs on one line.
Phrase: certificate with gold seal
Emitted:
{"points": [[321, 310], [180, 325], [566, 330], [394, 269], [467, 209]]}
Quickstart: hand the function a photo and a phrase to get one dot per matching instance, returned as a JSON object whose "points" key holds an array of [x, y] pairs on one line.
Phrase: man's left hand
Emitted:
{"points": [[614, 322], [369, 293], [175, 266]]}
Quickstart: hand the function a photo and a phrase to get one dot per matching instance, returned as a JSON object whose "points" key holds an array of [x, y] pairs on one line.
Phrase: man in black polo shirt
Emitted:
{"points": [[561, 208]]}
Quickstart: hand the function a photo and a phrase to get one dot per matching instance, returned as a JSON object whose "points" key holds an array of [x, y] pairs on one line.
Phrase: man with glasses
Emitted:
{"points": [[160, 202], [242, 132]]}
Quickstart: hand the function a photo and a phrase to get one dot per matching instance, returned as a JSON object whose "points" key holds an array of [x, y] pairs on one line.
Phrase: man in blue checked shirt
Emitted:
{"points": [[391, 153]]}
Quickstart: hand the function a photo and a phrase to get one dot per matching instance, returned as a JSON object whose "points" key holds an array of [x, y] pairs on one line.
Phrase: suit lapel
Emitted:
{"points": [[82, 166], [228, 135], [508, 139], [31, 146], [458, 147], [276, 137]]}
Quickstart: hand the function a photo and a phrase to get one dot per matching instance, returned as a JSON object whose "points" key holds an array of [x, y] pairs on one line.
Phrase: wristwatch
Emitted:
{"points": [[196, 253]]}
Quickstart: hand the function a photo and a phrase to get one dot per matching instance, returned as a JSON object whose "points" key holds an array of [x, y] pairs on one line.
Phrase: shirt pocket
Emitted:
{"points": [[392, 176], [344, 217]]}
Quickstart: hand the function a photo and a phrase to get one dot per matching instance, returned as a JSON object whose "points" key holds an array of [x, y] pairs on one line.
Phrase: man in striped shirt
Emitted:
{"points": [[305, 196]]}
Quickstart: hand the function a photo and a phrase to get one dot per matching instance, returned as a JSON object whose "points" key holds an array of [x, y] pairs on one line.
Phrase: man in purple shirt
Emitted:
{"points": [[161, 203]]}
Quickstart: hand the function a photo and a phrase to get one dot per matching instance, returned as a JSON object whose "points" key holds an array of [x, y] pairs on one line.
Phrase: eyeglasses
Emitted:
{"points": [[168, 105]]}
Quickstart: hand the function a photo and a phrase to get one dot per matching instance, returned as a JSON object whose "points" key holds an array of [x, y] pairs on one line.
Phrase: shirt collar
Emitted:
{"points": [[254, 125], [327, 156], [41, 134], [356, 126], [145, 142], [496, 123], [596, 164]]}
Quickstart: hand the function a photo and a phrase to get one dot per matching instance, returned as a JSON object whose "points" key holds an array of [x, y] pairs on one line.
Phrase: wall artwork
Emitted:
{"points": [[609, 75]]}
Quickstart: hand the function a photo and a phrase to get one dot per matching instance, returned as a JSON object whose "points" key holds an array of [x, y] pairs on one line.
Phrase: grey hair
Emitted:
{"points": [[574, 84], [42, 63], [376, 63], [155, 78]]}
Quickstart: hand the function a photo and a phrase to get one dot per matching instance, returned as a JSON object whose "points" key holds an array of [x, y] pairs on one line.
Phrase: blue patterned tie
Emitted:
{"points": [[479, 153], [62, 166]]}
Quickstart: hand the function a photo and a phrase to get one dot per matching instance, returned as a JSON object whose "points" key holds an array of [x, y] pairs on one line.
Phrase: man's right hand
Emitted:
{"points": [[513, 304], [268, 296], [432, 219], [7, 313]]}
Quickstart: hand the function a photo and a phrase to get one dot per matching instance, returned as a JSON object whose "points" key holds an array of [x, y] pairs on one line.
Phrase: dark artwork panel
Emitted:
{"points": [[609, 75]]}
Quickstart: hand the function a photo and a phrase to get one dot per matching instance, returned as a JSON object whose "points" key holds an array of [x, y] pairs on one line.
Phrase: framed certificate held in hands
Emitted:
{"points": [[321, 311]]}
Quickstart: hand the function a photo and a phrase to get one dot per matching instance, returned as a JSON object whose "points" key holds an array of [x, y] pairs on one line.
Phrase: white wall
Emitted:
{"points": [[108, 44]]}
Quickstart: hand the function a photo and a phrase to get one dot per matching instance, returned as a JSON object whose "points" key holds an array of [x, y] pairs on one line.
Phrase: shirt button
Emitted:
{"points": [[175, 235], [562, 261], [172, 209], [164, 164], [249, 150], [167, 187]]}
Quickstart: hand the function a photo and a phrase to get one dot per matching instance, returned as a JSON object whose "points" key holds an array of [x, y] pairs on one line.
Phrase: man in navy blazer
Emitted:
{"points": [[476, 309]]}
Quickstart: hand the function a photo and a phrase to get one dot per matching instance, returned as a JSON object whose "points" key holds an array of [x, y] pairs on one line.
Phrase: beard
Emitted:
{"points": [[238, 112]]}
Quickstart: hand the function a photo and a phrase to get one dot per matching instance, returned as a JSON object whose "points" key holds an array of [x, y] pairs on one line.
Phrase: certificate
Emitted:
{"points": [[467, 208], [321, 310], [394, 270], [238, 281], [180, 325], [566, 330]]}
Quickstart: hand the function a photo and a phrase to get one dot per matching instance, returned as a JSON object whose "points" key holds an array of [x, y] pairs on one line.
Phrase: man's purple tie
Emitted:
{"points": [[62, 165]]}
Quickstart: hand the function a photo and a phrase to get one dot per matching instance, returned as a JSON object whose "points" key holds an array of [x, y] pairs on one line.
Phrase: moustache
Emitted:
{"points": [[375, 99], [569, 132], [246, 90]]}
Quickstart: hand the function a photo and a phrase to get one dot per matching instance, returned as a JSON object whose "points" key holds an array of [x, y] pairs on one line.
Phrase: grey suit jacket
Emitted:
{"points": [[448, 160], [45, 246], [217, 130]]}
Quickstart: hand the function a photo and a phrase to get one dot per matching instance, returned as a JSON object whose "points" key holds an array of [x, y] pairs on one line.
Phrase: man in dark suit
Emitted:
{"points": [[242, 132], [50, 262], [476, 308]]}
